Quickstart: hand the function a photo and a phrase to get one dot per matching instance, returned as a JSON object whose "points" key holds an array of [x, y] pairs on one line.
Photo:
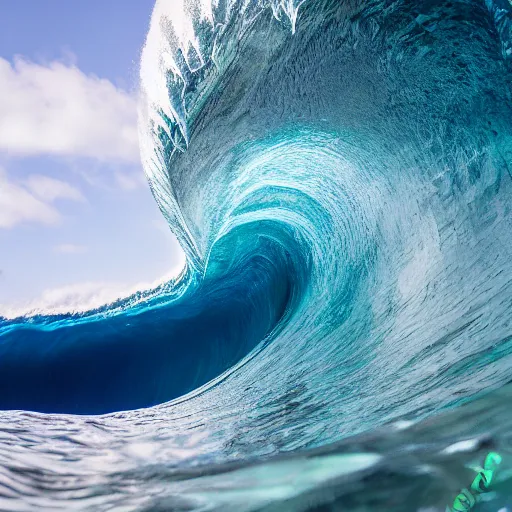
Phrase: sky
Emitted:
{"points": [[78, 224]]}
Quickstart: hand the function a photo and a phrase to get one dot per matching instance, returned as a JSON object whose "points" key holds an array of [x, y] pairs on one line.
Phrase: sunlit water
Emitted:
{"points": [[338, 174]]}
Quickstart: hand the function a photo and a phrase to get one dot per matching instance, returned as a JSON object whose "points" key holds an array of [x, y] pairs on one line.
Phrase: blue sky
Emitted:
{"points": [[78, 223]]}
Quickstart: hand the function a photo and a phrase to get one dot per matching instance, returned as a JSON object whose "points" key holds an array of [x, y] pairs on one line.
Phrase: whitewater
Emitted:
{"points": [[338, 174]]}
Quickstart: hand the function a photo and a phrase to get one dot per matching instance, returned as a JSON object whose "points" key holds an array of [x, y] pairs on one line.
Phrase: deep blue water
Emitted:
{"points": [[338, 174]]}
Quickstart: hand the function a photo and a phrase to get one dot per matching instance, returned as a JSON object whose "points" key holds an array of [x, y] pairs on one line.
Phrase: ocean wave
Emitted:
{"points": [[338, 176]]}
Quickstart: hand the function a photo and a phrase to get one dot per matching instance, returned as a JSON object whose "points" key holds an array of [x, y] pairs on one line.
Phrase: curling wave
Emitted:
{"points": [[338, 176]]}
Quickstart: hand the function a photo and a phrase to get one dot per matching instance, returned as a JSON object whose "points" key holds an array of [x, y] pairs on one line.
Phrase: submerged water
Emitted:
{"points": [[338, 174]]}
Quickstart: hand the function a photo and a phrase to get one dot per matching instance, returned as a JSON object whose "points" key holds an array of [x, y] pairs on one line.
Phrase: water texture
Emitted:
{"points": [[338, 174]]}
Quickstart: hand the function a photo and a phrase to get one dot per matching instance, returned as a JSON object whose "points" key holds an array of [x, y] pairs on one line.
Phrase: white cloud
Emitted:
{"points": [[48, 189], [131, 181], [83, 297], [70, 249], [24, 202], [56, 109]]}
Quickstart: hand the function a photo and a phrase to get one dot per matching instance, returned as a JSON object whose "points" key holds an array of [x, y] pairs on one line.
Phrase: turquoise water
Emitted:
{"points": [[338, 175]]}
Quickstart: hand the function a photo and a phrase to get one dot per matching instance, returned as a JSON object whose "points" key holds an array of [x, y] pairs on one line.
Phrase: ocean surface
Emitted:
{"points": [[339, 176]]}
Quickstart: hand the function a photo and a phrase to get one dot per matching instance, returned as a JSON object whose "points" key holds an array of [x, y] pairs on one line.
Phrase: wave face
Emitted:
{"points": [[338, 175]]}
